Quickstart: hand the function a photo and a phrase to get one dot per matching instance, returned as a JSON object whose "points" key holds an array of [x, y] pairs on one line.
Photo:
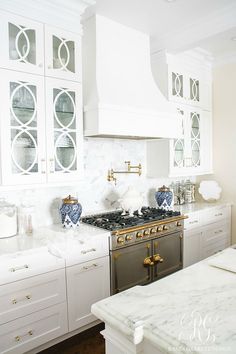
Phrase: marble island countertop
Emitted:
{"points": [[193, 310], [199, 206]]}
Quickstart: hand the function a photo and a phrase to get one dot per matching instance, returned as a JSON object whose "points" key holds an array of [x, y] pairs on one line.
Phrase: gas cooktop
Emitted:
{"points": [[118, 220]]}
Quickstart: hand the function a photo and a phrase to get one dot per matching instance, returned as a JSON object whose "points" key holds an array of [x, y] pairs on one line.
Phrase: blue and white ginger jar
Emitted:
{"points": [[164, 198], [70, 211]]}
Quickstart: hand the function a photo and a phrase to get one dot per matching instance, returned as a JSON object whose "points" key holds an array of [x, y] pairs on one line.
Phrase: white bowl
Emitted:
{"points": [[210, 190]]}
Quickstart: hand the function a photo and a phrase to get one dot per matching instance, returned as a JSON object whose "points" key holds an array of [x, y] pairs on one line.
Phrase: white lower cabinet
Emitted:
{"points": [[87, 283], [30, 331], [192, 247], [206, 233]]}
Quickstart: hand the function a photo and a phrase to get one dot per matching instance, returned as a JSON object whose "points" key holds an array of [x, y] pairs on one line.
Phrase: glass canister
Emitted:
{"points": [[8, 219], [164, 198], [70, 211], [26, 219]]}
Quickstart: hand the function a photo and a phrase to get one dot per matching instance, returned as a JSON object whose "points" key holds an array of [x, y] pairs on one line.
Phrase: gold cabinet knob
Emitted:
{"points": [[120, 239], [139, 235], [157, 258], [146, 233]]}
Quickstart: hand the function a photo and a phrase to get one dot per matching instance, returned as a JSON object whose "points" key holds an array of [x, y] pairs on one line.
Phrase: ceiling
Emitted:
{"points": [[179, 24]]}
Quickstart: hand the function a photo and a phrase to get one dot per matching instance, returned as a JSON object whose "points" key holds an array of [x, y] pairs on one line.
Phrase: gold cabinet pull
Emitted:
{"points": [[19, 338], [89, 267], [157, 258], [26, 297], [25, 266], [148, 261]]}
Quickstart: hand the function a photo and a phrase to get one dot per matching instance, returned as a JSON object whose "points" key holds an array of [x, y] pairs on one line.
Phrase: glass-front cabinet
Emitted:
{"points": [[22, 43], [38, 144], [184, 87], [62, 59], [64, 127], [22, 128]]}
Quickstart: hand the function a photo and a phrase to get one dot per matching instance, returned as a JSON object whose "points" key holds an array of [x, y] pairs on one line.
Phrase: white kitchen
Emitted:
{"points": [[117, 176]]}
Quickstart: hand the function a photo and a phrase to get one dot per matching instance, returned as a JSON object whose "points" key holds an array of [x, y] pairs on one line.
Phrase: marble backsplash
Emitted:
{"points": [[94, 192]]}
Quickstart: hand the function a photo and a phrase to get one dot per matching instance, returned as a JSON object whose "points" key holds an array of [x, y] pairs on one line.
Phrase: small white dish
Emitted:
{"points": [[210, 191]]}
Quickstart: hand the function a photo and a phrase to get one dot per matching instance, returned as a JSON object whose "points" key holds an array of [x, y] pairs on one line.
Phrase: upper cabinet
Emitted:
{"points": [[62, 57], [31, 47], [185, 79], [22, 44], [41, 118]]}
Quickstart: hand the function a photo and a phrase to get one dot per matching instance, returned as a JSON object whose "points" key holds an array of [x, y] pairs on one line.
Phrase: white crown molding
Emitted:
{"points": [[60, 13], [189, 36]]}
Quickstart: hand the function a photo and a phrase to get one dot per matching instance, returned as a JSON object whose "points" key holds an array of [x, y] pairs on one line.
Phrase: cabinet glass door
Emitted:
{"points": [[63, 55], [64, 140], [179, 144], [194, 90], [195, 139], [22, 44], [23, 131], [177, 85]]}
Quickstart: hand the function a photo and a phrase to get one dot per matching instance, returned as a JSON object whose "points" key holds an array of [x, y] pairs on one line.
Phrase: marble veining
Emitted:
{"points": [[193, 309]]}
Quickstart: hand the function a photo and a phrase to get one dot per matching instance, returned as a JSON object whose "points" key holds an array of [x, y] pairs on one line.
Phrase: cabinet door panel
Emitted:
{"points": [[63, 56], [64, 130], [21, 44], [22, 128], [87, 283], [192, 247]]}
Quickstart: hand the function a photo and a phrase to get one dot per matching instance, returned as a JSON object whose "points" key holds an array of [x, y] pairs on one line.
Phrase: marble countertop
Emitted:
{"points": [[198, 206], [51, 235], [193, 310]]}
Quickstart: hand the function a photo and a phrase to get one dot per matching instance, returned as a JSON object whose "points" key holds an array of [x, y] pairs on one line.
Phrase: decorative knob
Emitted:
{"points": [[146, 233], [139, 235], [159, 229], [178, 223], [153, 231], [128, 238], [157, 258], [120, 239], [165, 228]]}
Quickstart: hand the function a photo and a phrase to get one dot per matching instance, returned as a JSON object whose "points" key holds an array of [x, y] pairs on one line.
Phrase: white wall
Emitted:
{"points": [[224, 133], [95, 193]]}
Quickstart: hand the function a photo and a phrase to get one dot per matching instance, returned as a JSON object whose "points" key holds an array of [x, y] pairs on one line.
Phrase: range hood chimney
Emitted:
{"points": [[121, 98]]}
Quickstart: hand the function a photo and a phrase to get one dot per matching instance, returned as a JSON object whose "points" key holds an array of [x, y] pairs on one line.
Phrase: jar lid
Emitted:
{"points": [[70, 200], [163, 189]]}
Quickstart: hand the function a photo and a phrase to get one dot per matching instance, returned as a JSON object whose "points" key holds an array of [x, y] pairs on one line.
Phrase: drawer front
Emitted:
{"points": [[99, 247], [216, 239], [30, 295], [193, 220], [22, 265], [216, 214], [29, 332]]}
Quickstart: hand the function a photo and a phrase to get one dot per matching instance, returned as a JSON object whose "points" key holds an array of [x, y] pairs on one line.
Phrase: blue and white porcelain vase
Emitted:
{"points": [[70, 211], [164, 198]]}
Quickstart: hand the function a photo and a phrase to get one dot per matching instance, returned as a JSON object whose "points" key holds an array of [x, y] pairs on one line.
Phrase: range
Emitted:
{"points": [[144, 247]]}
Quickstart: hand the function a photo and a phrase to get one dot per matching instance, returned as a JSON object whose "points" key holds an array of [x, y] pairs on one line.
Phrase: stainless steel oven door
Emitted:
{"points": [[167, 251], [128, 267]]}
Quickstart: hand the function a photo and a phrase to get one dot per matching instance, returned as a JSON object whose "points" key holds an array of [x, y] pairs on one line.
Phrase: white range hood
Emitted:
{"points": [[121, 98]]}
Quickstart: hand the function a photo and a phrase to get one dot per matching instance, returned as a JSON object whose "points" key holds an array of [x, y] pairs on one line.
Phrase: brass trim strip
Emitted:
{"points": [[145, 226]]}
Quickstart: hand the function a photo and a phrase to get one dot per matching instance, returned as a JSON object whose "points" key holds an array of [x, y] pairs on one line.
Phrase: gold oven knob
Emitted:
{"points": [[120, 239], [128, 238], [153, 231], [145, 233], [159, 229], [139, 235], [178, 223], [165, 227]]}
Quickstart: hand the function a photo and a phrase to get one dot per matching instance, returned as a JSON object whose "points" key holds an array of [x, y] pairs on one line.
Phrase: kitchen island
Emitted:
{"points": [[192, 310]]}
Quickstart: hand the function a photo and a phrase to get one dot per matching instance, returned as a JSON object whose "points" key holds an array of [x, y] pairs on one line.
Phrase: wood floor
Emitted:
{"points": [[87, 342]]}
